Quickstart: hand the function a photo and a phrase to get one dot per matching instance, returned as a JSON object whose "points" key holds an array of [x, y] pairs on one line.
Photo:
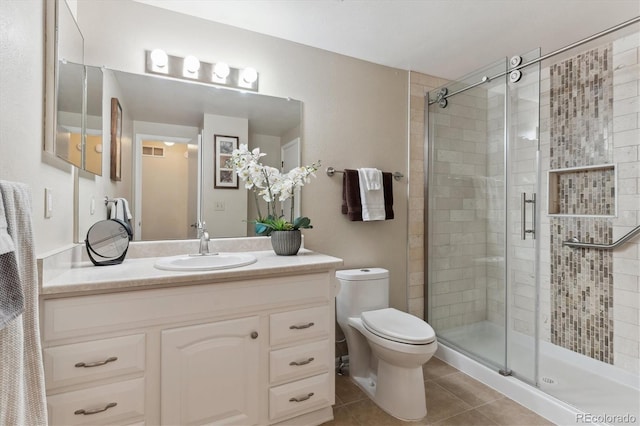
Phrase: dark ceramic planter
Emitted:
{"points": [[286, 243]]}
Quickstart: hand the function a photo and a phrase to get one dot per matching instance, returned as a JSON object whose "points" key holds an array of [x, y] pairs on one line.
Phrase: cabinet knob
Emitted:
{"points": [[254, 334]]}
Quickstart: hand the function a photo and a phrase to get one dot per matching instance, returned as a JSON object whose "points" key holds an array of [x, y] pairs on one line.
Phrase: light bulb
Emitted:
{"points": [[191, 64], [221, 70], [159, 58], [249, 75]]}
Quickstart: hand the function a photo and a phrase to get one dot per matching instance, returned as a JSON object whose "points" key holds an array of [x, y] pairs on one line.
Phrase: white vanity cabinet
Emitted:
{"points": [[209, 373], [250, 351]]}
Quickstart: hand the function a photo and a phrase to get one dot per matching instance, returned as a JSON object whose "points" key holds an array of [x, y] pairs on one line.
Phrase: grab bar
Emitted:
{"points": [[577, 244]]}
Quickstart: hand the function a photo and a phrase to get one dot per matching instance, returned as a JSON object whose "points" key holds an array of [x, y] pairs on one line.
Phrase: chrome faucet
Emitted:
{"points": [[204, 238]]}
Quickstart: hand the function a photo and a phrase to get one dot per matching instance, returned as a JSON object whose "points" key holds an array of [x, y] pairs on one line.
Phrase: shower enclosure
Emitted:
{"points": [[524, 158]]}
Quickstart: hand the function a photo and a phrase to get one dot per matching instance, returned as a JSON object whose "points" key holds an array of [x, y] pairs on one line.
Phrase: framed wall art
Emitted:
{"points": [[116, 140], [224, 176]]}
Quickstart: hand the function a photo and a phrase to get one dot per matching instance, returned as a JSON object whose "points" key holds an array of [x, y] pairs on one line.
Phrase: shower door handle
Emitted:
{"points": [[523, 208]]}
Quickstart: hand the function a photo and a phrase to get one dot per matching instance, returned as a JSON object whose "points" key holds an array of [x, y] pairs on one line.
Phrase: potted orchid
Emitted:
{"points": [[274, 187]]}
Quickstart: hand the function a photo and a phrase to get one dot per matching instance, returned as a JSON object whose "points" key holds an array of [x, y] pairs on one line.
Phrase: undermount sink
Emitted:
{"points": [[208, 262]]}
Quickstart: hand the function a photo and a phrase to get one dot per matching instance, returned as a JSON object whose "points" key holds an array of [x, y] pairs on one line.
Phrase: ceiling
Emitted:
{"points": [[445, 38]]}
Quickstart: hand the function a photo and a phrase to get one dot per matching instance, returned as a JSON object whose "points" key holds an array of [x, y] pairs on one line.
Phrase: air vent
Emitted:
{"points": [[153, 151]]}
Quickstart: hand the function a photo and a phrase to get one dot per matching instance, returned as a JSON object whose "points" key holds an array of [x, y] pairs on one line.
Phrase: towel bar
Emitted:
{"points": [[331, 171], [108, 200]]}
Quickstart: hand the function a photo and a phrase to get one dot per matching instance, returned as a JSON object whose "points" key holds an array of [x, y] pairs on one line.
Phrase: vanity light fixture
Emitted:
{"points": [[221, 71], [169, 143], [191, 68], [159, 61], [248, 77]]}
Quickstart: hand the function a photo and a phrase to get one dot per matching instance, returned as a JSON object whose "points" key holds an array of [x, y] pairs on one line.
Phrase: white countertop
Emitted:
{"points": [[139, 273]]}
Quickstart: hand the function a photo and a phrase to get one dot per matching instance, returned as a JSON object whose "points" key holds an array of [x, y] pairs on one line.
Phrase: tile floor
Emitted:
{"points": [[453, 399]]}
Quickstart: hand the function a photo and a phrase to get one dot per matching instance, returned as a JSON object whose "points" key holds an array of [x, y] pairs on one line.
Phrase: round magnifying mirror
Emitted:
{"points": [[107, 242]]}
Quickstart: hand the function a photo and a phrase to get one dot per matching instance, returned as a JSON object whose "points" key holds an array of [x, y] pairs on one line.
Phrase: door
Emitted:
{"points": [[467, 214], [209, 373]]}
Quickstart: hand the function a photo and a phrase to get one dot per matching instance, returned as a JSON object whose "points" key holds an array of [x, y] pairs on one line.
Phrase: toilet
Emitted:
{"points": [[387, 347]]}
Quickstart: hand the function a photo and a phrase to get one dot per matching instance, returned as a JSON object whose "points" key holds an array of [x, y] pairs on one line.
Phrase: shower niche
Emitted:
{"points": [[589, 191]]}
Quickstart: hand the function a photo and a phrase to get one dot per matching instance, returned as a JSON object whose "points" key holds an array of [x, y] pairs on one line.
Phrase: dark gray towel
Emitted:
{"points": [[351, 203]]}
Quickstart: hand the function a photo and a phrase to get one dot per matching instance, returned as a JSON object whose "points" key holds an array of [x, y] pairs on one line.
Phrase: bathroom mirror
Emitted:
{"points": [[68, 135], [169, 156], [93, 121], [74, 94]]}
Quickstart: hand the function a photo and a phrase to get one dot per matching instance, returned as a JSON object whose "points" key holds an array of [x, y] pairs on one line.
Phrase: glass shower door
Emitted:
{"points": [[467, 215], [524, 202]]}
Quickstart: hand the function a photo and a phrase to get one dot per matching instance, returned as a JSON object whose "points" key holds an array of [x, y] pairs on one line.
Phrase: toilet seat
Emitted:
{"points": [[398, 326]]}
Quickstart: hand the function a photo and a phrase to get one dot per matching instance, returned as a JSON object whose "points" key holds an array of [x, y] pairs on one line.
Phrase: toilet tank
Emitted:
{"points": [[361, 290]]}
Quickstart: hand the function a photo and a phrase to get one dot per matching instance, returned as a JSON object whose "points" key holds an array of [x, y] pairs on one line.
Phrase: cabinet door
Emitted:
{"points": [[210, 373]]}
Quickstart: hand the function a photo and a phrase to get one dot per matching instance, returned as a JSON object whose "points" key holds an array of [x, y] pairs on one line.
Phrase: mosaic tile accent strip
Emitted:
{"points": [[581, 109], [582, 288], [587, 192]]}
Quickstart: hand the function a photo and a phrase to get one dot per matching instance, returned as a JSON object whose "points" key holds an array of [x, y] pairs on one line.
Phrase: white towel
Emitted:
{"points": [[372, 200], [120, 210], [22, 400], [372, 178], [11, 295]]}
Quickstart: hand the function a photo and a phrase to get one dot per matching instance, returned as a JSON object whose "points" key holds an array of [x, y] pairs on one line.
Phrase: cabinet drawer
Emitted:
{"points": [[128, 397], [293, 326], [90, 361], [299, 361], [90, 315], [298, 397]]}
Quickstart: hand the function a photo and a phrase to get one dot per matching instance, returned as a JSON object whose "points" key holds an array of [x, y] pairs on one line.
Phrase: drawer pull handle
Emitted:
{"points": [[301, 398], [97, 363], [301, 327], [95, 410], [298, 363], [254, 334]]}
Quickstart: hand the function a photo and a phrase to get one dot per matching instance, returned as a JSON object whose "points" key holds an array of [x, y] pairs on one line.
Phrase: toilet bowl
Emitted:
{"points": [[387, 347]]}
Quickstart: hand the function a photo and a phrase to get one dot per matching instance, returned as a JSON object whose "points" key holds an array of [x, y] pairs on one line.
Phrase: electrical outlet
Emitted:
{"points": [[219, 206]]}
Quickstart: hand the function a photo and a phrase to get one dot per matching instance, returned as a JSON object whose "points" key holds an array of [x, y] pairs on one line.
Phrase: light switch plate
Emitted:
{"points": [[48, 203]]}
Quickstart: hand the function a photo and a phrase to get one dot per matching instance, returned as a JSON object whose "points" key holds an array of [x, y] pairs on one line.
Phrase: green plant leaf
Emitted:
{"points": [[302, 222]]}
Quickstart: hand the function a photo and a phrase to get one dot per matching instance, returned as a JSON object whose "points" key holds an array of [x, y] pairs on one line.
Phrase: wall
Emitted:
{"points": [[608, 297], [21, 123], [626, 154], [355, 114], [269, 145], [231, 219]]}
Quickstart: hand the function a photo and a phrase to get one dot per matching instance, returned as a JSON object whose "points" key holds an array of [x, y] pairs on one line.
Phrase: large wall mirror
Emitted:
{"points": [[169, 159], [74, 101]]}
